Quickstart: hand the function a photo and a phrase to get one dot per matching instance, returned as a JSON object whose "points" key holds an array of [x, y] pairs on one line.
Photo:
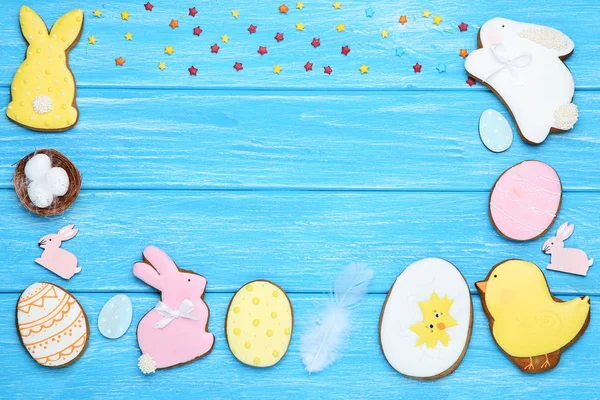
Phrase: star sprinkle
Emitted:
{"points": [[193, 70], [238, 66], [337, 5], [340, 27], [252, 29], [169, 50], [364, 69], [193, 11], [299, 26], [400, 52], [277, 69], [92, 39], [308, 66], [148, 6], [327, 70], [384, 34], [426, 13], [97, 13], [197, 31], [471, 81], [437, 20], [120, 61], [463, 53], [235, 14], [345, 50], [403, 19], [463, 27], [174, 24], [417, 67], [279, 37], [125, 16], [316, 42], [162, 66], [369, 12], [441, 68], [225, 39], [214, 48], [128, 36], [283, 9], [262, 50], [299, 5]]}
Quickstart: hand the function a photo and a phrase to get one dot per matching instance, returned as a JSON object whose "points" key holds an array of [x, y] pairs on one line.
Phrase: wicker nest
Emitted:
{"points": [[60, 203]]}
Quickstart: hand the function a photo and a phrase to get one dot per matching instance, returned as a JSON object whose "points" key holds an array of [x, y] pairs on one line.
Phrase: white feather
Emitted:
{"points": [[322, 344]]}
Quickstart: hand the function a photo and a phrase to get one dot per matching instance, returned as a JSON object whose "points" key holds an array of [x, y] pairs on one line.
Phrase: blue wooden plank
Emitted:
{"points": [[158, 139], [424, 42], [297, 239], [108, 368]]}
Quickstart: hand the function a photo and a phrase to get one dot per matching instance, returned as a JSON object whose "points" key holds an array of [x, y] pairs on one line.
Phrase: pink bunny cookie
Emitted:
{"points": [[572, 261], [174, 332], [57, 260]]}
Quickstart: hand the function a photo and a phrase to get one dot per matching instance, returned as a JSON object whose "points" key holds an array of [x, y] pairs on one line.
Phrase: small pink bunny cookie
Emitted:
{"points": [[57, 260], [572, 261], [174, 332]]}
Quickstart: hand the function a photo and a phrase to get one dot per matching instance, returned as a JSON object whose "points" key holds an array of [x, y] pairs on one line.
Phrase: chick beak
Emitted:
{"points": [[441, 326], [481, 286]]}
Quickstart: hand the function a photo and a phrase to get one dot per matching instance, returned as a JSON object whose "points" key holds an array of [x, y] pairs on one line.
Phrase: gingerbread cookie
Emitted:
{"points": [[175, 331], [52, 325], [525, 200], [531, 326], [43, 89], [259, 324], [426, 320], [523, 65]]}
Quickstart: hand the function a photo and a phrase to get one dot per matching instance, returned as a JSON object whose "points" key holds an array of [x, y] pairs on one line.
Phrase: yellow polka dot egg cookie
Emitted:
{"points": [[259, 324], [43, 88]]}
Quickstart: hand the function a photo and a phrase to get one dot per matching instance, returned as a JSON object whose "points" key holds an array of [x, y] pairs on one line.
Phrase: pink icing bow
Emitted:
{"points": [[520, 61], [184, 311]]}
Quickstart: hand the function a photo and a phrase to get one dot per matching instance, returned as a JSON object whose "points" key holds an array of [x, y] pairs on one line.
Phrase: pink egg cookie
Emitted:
{"points": [[525, 200]]}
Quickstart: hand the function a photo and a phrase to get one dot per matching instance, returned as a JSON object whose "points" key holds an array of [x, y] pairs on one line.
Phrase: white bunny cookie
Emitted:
{"points": [[522, 63], [43, 88]]}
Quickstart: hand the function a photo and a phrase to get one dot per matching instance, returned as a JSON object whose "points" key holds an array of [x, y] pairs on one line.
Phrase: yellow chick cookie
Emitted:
{"points": [[259, 324], [529, 324], [43, 88]]}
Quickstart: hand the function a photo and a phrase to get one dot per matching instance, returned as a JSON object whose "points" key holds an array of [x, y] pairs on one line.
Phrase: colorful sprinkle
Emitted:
{"points": [[340, 27], [120, 61], [262, 50], [174, 23], [162, 66], [193, 70], [426, 13], [316, 42], [369, 12], [197, 31], [148, 6], [225, 39], [299, 5], [471, 81], [299, 26], [441, 68], [279, 37], [214, 48], [364, 69], [463, 27], [92, 39], [345, 50], [252, 29], [125, 16], [403, 19], [169, 50], [97, 13], [277, 69], [337, 5], [283, 9], [193, 11], [235, 14], [308, 66], [128, 36], [238, 66], [463, 53], [327, 70], [400, 52], [417, 67], [384, 34], [437, 20]]}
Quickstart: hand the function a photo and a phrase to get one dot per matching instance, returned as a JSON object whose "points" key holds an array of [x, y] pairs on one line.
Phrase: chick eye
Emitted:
{"points": [[495, 276], [430, 326], [437, 315]]}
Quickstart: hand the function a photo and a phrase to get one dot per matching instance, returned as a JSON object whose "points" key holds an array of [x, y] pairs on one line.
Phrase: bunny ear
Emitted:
{"points": [[66, 29], [548, 37], [147, 274], [568, 231], [160, 260], [33, 27], [67, 232]]}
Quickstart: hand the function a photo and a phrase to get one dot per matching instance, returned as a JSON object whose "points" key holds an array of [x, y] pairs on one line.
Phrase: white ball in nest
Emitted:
{"points": [[58, 181], [45, 181], [39, 195], [37, 167]]}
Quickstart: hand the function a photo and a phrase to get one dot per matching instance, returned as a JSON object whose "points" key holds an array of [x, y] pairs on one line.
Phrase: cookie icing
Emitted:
{"points": [[259, 324], [495, 131], [43, 88], [525, 200], [52, 325], [523, 64], [115, 317], [426, 321]]}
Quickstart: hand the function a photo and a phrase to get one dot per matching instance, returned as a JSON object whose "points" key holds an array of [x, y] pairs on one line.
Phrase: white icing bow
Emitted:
{"points": [[512, 64], [185, 311]]}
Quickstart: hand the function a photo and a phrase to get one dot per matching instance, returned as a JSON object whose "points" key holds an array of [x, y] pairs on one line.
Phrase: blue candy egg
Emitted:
{"points": [[495, 131], [115, 317]]}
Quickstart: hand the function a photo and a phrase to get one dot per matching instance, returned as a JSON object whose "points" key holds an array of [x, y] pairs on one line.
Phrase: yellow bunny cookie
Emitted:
{"points": [[43, 89]]}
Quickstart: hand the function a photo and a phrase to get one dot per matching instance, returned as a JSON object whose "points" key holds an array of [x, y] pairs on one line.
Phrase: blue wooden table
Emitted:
{"points": [[289, 177]]}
